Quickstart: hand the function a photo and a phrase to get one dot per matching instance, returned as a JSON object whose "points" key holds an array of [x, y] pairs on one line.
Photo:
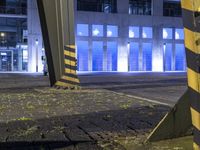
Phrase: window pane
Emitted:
{"points": [[6, 61], [134, 32], [147, 32], [140, 7], [179, 34], [112, 56], [180, 57], [112, 31], [107, 6], [97, 30], [82, 30], [97, 56], [147, 56], [167, 33], [172, 8], [134, 57], [82, 57], [167, 55]]}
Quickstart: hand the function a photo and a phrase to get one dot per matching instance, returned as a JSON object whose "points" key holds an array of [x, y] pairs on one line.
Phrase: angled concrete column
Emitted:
{"points": [[57, 20]]}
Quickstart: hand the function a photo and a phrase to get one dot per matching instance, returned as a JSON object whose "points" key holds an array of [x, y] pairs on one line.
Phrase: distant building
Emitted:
{"points": [[111, 35]]}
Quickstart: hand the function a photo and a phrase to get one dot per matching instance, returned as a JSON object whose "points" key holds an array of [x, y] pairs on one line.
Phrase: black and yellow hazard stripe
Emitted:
{"points": [[191, 9], [70, 78]]}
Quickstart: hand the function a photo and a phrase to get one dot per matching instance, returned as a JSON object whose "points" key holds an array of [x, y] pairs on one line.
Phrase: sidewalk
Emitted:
{"points": [[47, 117]]}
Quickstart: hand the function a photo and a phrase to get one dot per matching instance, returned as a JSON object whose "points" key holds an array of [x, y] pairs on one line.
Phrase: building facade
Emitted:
{"points": [[13, 35], [130, 35], [111, 35], [20, 36]]}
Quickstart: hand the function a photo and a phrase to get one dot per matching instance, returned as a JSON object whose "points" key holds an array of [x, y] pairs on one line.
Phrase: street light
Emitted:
{"points": [[2, 34], [36, 43], [3, 38]]}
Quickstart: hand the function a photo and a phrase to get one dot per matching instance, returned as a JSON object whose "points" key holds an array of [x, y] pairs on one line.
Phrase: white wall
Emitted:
{"points": [[34, 33]]}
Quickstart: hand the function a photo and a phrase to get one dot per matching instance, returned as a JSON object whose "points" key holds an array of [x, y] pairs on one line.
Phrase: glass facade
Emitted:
{"points": [[13, 7], [6, 60], [167, 57], [147, 56], [167, 33], [82, 55], [134, 32], [179, 34], [112, 56], [82, 30], [180, 64], [173, 49], [101, 46], [140, 7], [97, 30], [97, 56], [172, 8], [112, 31], [13, 36], [134, 56], [147, 32], [107, 6]]}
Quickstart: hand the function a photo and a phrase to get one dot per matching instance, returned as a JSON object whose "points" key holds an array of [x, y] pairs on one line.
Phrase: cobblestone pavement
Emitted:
{"points": [[34, 117]]}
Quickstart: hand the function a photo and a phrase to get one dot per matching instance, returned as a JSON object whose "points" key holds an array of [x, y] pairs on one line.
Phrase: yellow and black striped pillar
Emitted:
{"points": [[191, 15], [57, 22], [69, 79]]}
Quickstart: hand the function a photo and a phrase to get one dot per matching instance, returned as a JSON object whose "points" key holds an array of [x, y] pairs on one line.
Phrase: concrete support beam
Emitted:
{"points": [[57, 19]]}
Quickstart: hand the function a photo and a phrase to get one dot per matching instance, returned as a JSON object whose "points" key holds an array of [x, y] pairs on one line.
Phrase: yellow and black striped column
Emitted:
{"points": [[57, 22], [191, 15], [69, 79]]}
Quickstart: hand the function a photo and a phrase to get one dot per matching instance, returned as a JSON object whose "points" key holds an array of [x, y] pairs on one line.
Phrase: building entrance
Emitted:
{"points": [[6, 61]]}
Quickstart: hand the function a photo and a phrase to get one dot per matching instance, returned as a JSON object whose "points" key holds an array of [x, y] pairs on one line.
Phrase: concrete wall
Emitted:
{"points": [[34, 33]]}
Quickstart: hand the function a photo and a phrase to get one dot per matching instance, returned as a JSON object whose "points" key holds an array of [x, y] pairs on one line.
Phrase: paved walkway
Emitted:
{"points": [[35, 116]]}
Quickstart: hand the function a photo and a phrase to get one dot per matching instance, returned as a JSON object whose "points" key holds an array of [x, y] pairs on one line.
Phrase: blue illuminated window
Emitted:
{"points": [[134, 32], [82, 57], [97, 30], [168, 55], [112, 31], [147, 32], [167, 33], [180, 57], [134, 57], [97, 56], [112, 56], [82, 30], [147, 56], [179, 34]]}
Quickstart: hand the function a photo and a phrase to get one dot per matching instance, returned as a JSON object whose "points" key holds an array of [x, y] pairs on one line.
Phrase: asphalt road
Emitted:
{"points": [[159, 87]]}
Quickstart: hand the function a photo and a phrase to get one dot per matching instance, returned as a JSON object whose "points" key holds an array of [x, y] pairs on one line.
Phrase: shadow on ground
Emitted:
{"points": [[82, 132]]}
